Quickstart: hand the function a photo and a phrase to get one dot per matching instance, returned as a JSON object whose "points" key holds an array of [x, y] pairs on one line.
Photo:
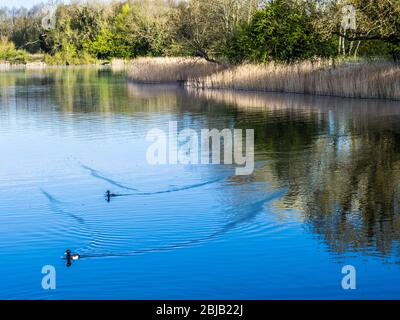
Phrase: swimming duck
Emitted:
{"points": [[69, 256], [108, 195]]}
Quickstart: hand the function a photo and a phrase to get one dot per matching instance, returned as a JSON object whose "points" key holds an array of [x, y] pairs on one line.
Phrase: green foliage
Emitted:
{"points": [[9, 53], [123, 39], [69, 55], [282, 31], [129, 34], [218, 30], [395, 51], [102, 45], [66, 58]]}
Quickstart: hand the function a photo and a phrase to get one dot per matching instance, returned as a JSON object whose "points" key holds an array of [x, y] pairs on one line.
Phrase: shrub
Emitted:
{"points": [[9, 53]]}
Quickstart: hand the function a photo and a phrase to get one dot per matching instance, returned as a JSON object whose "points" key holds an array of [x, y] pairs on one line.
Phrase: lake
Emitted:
{"points": [[324, 193]]}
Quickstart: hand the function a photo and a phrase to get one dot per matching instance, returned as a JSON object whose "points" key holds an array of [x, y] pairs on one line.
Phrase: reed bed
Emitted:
{"points": [[5, 66], [164, 70], [119, 65], [368, 79]]}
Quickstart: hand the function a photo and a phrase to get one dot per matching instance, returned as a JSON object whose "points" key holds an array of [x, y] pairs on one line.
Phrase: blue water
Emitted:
{"points": [[324, 193]]}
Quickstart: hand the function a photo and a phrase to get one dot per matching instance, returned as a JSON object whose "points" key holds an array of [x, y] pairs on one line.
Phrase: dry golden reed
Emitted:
{"points": [[157, 70], [368, 79], [357, 79]]}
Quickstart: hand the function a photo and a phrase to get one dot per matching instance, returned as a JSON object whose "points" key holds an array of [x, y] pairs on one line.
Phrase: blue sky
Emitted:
{"points": [[28, 3], [19, 3], [22, 3]]}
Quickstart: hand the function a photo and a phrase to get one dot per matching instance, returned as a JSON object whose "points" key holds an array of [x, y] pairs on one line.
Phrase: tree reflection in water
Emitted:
{"points": [[339, 158]]}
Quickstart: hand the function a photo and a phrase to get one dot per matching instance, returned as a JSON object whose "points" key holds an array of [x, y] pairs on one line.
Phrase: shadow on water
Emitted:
{"points": [[94, 173], [246, 212], [55, 207], [249, 211], [98, 175]]}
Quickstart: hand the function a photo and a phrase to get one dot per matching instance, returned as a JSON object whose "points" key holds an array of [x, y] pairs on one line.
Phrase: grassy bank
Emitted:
{"points": [[11, 57], [355, 79]]}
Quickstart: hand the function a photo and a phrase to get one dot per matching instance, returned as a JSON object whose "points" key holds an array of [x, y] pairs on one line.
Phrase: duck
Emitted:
{"points": [[69, 256], [109, 195]]}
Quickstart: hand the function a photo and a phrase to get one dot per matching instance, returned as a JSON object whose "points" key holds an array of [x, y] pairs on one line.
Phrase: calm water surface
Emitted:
{"points": [[324, 194]]}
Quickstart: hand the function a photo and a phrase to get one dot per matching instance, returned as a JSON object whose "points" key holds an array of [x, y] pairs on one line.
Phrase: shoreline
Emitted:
{"points": [[365, 79], [323, 79], [180, 84], [4, 66]]}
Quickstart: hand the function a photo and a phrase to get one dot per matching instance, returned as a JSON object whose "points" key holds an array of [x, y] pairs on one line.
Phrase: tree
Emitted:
{"points": [[282, 31], [204, 28], [377, 21], [217, 30]]}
